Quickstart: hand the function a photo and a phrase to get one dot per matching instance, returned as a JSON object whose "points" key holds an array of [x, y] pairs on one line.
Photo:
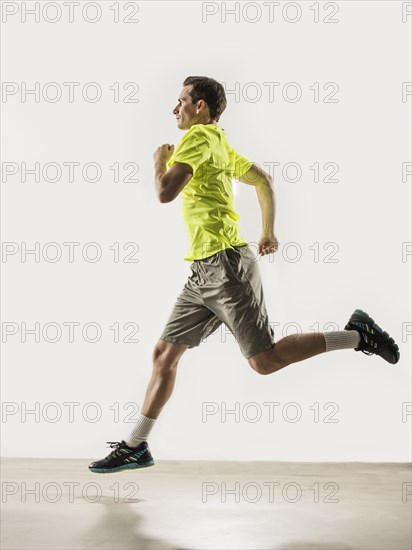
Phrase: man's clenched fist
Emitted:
{"points": [[268, 244], [163, 153]]}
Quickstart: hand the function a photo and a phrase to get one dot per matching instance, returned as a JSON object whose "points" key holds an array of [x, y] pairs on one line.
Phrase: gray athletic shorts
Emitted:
{"points": [[224, 288]]}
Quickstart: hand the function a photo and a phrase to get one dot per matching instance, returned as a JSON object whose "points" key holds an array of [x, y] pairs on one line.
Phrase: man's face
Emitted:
{"points": [[186, 112]]}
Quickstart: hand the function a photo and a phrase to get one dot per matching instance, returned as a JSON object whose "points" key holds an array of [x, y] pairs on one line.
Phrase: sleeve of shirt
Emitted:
{"points": [[194, 149], [241, 164]]}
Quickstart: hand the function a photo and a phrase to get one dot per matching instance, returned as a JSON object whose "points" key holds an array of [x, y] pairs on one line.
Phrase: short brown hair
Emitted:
{"points": [[211, 91]]}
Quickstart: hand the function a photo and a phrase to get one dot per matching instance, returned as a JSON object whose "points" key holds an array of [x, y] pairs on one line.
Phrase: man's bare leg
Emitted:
{"points": [[288, 350], [134, 451], [166, 356]]}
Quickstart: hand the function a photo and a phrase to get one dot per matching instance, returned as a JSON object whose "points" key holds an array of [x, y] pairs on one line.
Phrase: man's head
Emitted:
{"points": [[201, 101]]}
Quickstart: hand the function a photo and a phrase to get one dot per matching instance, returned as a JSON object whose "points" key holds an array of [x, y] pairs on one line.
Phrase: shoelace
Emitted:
{"points": [[114, 445], [367, 352]]}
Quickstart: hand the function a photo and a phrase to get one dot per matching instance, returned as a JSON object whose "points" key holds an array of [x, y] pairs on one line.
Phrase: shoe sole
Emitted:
{"points": [[122, 468], [368, 320]]}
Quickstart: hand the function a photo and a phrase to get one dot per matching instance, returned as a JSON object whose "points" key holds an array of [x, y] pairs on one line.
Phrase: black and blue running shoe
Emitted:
{"points": [[123, 458], [374, 340]]}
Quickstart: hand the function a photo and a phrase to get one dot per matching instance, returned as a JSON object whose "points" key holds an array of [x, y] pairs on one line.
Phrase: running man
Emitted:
{"points": [[225, 284]]}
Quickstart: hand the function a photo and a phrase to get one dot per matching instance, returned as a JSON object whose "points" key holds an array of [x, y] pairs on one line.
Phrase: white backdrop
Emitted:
{"points": [[320, 95]]}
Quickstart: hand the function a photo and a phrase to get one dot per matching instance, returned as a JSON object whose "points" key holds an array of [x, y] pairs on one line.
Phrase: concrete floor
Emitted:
{"points": [[58, 504]]}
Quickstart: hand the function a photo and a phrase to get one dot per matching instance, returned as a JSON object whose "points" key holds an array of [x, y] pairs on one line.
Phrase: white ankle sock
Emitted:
{"points": [[140, 431], [341, 339]]}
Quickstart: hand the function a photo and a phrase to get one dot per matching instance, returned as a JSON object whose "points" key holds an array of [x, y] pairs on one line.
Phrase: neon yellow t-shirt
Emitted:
{"points": [[207, 202]]}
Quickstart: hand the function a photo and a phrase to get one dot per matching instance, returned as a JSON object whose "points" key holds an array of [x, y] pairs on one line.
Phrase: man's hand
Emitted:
{"points": [[163, 153], [268, 244]]}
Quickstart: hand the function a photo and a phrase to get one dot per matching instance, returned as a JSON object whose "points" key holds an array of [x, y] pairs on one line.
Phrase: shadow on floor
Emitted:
{"points": [[120, 528], [301, 545]]}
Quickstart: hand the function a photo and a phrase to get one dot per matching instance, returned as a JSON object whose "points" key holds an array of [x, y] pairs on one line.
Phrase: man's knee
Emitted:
{"points": [[166, 355], [260, 366], [266, 362]]}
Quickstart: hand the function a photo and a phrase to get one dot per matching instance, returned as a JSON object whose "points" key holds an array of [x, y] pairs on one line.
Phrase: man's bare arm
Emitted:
{"points": [[266, 196], [169, 183]]}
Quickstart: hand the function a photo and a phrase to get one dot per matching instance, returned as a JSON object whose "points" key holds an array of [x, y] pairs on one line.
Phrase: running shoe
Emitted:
{"points": [[123, 457], [374, 340]]}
